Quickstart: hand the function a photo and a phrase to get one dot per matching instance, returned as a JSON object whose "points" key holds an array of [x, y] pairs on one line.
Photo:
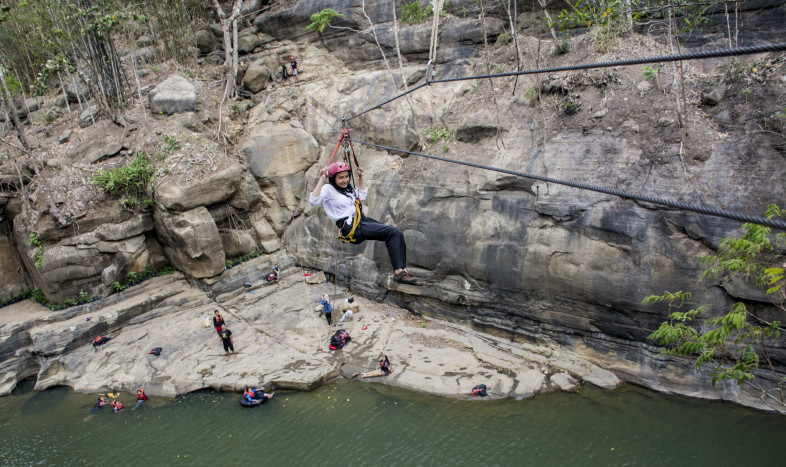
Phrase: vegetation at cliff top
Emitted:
{"points": [[129, 182], [733, 344], [413, 13]]}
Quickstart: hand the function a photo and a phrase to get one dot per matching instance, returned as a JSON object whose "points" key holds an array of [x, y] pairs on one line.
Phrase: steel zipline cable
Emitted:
{"points": [[755, 49], [775, 223]]}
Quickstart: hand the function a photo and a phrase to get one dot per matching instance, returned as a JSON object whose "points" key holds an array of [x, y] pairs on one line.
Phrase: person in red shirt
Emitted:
{"points": [[218, 321]]}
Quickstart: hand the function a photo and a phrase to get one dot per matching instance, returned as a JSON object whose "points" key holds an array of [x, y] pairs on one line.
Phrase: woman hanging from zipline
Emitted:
{"points": [[338, 197]]}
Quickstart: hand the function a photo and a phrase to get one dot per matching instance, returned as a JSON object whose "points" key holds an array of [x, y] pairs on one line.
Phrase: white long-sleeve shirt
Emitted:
{"points": [[337, 205]]}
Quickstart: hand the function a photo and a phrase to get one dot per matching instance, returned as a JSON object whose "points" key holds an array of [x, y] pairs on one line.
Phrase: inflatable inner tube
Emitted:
{"points": [[257, 401]]}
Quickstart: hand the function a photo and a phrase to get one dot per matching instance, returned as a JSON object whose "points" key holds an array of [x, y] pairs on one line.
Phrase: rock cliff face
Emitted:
{"points": [[523, 259]]}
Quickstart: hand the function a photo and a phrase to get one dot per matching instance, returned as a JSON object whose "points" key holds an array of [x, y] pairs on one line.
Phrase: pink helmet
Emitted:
{"points": [[337, 167]]}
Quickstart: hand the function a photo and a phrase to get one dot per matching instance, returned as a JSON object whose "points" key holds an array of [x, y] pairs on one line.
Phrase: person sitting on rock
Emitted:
{"points": [[347, 315], [338, 197], [384, 369], [273, 276]]}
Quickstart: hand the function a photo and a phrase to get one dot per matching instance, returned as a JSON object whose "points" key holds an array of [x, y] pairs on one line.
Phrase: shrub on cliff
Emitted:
{"points": [[734, 343], [130, 182]]}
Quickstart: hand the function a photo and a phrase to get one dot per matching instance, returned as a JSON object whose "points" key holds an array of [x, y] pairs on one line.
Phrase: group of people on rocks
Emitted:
{"points": [[224, 334], [285, 74], [117, 406], [327, 309]]}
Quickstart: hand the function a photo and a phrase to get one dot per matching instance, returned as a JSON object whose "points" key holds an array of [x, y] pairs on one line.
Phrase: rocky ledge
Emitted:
{"points": [[281, 341]]}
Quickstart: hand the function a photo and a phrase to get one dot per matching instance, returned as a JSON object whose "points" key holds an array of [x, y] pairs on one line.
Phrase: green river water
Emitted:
{"points": [[351, 423]]}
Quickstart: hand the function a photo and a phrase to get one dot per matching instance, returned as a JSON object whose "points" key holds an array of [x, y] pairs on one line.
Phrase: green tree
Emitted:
{"points": [[734, 344], [321, 20]]}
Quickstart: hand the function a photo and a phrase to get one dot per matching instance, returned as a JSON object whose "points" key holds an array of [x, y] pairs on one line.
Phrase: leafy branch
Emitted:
{"points": [[734, 343]]}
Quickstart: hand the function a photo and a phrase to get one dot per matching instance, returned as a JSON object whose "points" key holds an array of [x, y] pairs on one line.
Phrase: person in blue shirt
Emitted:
{"points": [[327, 309]]}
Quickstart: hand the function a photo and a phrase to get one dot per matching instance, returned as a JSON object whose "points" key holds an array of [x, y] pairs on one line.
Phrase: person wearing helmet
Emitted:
{"points": [[337, 197], [293, 64]]}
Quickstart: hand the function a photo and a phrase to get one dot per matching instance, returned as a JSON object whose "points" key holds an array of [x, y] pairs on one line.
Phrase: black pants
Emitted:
{"points": [[328, 318], [371, 229]]}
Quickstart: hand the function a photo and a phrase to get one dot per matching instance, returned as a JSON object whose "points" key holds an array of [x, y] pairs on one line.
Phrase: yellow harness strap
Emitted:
{"points": [[350, 237]]}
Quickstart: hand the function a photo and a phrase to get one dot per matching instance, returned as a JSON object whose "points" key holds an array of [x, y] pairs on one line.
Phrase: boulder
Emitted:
{"points": [[256, 76], [713, 96], [144, 41], [88, 116], [214, 187], [250, 7], [205, 41], [11, 177], [174, 95], [237, 243], [631, 124], [247, 44], [316, 278], [342, 306], [268, 239], [564, 381], [78, 91], [144, 55], [644, 86], [29, 105], [68, 270], [189, 121], [246, 197], [95, 149], [278, 154], [52, 114], [191, 242], [114, 231], [217, 30]]}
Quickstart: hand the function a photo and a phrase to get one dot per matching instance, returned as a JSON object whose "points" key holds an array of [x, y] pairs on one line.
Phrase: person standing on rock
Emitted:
{"points": [[226, 339], [218, 321], [327, 309], [338, 199], [284, 73], [293, 64]]}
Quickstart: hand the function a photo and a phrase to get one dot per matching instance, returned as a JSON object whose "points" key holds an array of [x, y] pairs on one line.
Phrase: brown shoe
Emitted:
{"points": [[406, 278]]}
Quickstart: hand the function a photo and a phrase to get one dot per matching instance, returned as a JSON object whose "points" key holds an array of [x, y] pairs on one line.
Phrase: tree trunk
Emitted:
{"points": [[26, 150], [229, 26]]}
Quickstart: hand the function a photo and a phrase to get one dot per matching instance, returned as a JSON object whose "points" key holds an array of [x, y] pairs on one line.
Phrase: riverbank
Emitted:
{"points": [[282, 343]]}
